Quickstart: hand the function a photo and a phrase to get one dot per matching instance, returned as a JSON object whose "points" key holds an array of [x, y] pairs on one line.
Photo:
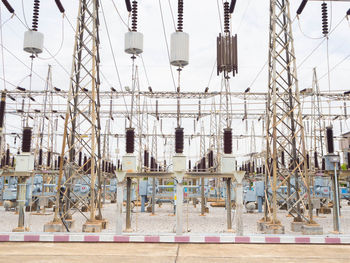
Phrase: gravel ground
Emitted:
{"points": [[164, 221]]}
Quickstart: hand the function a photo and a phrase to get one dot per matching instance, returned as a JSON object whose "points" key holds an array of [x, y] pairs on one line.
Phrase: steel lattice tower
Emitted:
{"points": [[286, 155], [82, 122]]}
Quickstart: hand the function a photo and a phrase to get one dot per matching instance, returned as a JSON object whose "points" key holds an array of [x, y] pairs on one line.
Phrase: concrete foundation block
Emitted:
{"points": [[262, 225], [274, 229], [19, 229], [104, 223], [314, 229], [54, 227], [92, 227], [70, 223], [297, 226]]}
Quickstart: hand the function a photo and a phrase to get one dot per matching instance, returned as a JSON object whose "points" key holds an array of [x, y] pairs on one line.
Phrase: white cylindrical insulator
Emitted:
{"points": [[133, 43], [179, 49], [33, 42]]}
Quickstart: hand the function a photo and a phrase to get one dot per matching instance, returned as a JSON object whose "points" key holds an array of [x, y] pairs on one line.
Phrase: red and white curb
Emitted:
{"points": [[218, 239]]}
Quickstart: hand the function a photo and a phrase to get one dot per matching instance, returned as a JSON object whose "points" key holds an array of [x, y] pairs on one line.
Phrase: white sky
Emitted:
{"points": [[201, 20]]}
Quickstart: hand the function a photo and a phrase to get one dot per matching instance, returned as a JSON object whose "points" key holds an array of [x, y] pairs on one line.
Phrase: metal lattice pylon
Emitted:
{"points": [[82, 122], [317, 130], [285, 160]]}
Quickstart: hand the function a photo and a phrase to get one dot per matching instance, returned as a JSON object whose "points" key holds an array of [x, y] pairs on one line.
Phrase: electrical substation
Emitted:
{"points": [[125, 139]]}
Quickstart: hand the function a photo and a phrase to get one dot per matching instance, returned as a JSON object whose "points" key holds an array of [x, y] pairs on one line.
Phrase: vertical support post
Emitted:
{"points": [[153, 195], [228, 204], [179, 202], [143, 201], [336, 208], [120, 197], [128, 204], [202, 198], [239, 202], [21, 199]]}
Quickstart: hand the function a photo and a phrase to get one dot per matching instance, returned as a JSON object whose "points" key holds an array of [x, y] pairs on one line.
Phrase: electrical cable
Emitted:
{"points": [[144, 68], [2, 48], [172, 15], [116, 9], [219, 13], [24, 15], [113, 55], [61, 44], [166, 42]]}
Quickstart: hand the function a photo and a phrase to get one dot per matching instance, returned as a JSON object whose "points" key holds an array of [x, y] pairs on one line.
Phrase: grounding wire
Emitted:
{"points": [[166, 42], [113, 55]]}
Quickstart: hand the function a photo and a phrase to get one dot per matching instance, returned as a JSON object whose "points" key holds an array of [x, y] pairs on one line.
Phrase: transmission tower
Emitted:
{"points": [[317, 125], [82, 125], [285, 132]]}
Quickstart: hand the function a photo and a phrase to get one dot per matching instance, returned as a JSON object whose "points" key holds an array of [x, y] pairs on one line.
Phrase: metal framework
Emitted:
{"points": [[286, 154], [82, 122]]}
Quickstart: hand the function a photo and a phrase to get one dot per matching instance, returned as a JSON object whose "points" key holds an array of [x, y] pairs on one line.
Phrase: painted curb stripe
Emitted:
{"points": [[152, 239], [16, 237], [31, 238], [4, 238], [121, 239], [64, 238], [179, 239], [332, 240], [242, 239], [302, 240], [212, 239], [272, 240], [91, 238]]}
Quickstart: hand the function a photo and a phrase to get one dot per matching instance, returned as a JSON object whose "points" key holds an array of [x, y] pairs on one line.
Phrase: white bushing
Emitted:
{"points": [[179, 49], [33, 42], [133, 43]]}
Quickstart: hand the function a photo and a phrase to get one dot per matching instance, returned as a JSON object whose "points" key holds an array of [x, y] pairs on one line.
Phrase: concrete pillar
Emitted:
{"points": [[153, 195], [202, 197], [228, 204], [239, 202], [179, 202], [120, 197], [128, 204], [21, 199]]}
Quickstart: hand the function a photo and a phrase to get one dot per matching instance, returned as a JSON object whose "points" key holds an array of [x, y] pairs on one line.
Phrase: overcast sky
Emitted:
{"points": [[250, 22]]}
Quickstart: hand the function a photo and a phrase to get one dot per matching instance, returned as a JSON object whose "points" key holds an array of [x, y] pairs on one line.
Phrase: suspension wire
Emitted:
{"points": [[24, 15], [218, 5], [113, 55], [121, 18], [6, 49], [172, 14], [243, 16], [166, 42], [2, 48], [69, 22], [61, 44], [328, 77], [144, 68], [263, 67], [30, 86], [311, 53]]}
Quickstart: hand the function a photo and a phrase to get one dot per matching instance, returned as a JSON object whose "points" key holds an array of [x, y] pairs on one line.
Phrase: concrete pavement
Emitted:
{"points": [[164, 253]]}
